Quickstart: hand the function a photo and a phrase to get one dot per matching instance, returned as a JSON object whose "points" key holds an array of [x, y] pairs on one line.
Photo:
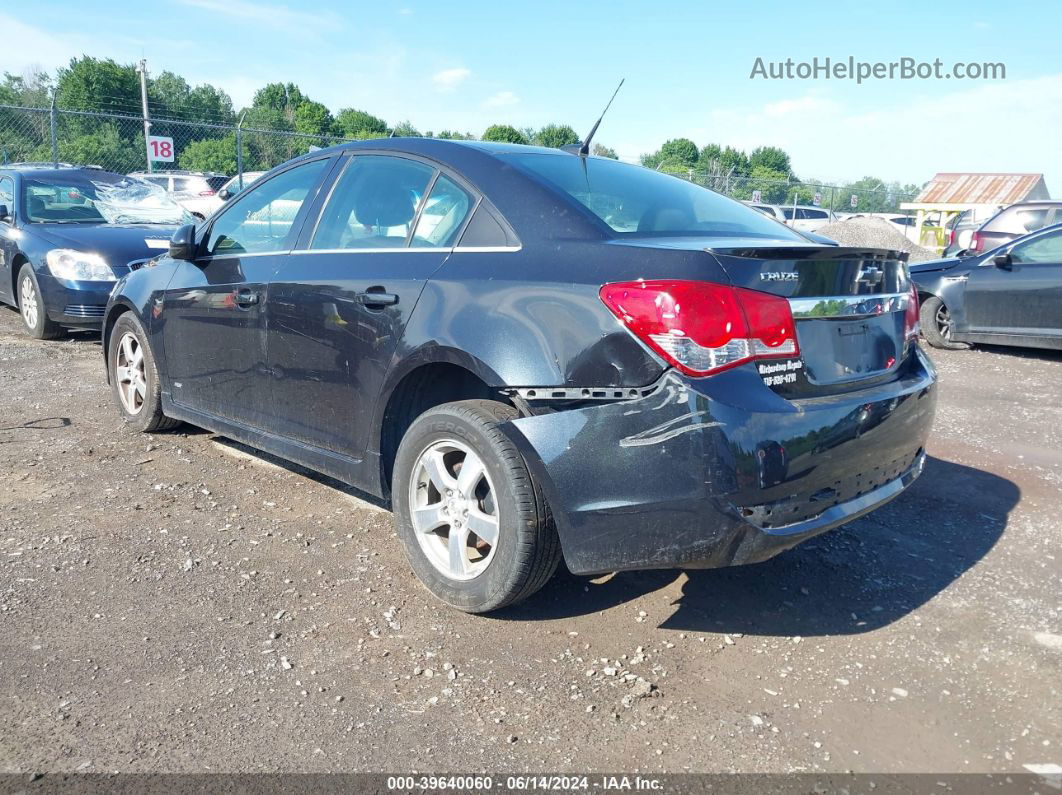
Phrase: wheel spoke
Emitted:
{"points": [[429, 518], [138, 358], [122, 374], [458, 553], [140, 387], [130, 396], [483, 525], [127, 349], [435, 466], [469, 476]]}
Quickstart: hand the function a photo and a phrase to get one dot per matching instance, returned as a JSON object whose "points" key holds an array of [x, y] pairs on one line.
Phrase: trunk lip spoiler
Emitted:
{"points": [[808, 252]]}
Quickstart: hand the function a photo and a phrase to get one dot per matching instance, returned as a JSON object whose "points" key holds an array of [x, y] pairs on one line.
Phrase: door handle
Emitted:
{"points": [[246, 297], [375, 296]]}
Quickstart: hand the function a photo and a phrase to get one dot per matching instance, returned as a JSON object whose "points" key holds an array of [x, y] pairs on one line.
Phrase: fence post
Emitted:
{"points": [[239, 150], [53, 133], [142, 71]]}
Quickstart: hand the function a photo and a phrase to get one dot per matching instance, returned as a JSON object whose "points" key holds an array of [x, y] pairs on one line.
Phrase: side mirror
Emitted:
{"points": [[224, 194], [182, 244], [1003, 261], [5, 213]]}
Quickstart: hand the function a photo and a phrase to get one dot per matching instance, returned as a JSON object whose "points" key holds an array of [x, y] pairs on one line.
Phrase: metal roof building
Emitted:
{"points": [[951, 191]]}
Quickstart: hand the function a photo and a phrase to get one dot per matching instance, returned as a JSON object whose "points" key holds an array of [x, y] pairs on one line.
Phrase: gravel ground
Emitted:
{"points": [[177, 603], [875, 233]]}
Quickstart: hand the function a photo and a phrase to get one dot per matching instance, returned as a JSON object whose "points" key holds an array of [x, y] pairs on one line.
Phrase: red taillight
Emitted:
{"points": [[703, 328], [977, 243], [911, 327], [206, 193]]}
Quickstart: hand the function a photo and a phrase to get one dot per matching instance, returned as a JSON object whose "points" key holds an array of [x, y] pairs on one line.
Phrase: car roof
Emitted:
{"points": [[47, 169]]}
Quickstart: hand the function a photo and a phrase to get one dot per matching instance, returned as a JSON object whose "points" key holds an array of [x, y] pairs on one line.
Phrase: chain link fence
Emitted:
{"points": [[116, 143]]}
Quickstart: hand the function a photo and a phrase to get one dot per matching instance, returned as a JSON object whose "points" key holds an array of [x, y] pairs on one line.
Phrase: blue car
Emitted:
{"points": [[532, 354], [68, 234]]}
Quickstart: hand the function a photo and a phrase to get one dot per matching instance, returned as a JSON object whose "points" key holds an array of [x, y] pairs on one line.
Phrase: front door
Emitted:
{"points": [[213, 316], [1024, 298], [339, 304]]}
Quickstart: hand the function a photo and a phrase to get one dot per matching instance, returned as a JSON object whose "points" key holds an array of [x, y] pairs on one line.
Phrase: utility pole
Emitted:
{"points": [[142, 71]]}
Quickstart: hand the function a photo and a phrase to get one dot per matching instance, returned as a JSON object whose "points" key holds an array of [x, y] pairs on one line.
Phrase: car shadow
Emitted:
{"points": [[1039, 354], [855, 579]]}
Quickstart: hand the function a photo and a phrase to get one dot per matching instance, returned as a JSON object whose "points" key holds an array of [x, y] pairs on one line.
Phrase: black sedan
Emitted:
{"points": [[67, 234], [535, 353], [1011, 295]]}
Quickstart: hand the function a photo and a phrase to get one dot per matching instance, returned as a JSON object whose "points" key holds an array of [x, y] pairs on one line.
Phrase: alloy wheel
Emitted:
{"points": [[453, 509], [943, 320], [28, 302], [129, 373]]}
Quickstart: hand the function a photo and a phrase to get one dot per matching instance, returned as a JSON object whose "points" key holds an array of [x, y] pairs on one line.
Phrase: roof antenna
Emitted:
{"points": [[584, 148]]}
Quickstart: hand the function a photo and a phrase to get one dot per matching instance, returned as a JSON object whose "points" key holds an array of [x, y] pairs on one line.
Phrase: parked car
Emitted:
{"points": [[904, 224], [195, 191], [803, 217], [1013, 222], [571, 356], [960, 229], [1011, 295], [235, 185], [68, 233]]}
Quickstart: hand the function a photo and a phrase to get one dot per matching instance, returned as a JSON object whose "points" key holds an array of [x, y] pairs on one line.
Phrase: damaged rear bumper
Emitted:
{"points": [[721, 471]]}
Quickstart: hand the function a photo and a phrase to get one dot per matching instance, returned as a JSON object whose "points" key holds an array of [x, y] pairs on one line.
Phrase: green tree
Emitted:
{"points": [[556, 136], [709, 154], [98, 85], [353, 123], [770, 157], [680, 152], [605, 151], [734, 161], [404, 129], [210, 154], [313, 118], [504, 133]]}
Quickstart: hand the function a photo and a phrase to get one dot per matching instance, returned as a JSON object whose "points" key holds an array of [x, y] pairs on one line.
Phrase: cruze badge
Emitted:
{"points": [[779, 276]]}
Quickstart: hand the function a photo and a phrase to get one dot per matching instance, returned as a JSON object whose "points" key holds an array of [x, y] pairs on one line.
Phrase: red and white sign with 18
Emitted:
{"points": [[160, 148]]}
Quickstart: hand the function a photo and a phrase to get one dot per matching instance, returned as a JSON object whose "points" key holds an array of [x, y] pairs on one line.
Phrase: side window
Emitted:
{"points": [[1047, 248], [182, 184], [7, 193], [442, 216], [373, 204], [260, 220]]}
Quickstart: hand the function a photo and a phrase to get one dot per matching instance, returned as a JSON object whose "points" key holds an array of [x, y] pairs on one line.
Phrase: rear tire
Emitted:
{"points": [[135, 378], [481, 542], [32, 309], [936, 325]]}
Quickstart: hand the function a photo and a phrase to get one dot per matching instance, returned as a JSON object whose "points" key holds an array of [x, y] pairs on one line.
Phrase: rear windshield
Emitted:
{"points": [[637, 201], [1021, 220], [216, 183]]}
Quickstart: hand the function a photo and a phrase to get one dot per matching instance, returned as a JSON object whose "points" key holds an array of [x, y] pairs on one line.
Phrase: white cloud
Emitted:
{"points": [[38, 46], [273, 16], [908, 139], [405, 11], [449, 79], [501, 100]]}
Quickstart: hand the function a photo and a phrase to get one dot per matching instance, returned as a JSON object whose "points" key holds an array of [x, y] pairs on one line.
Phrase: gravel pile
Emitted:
{"points": [[875, 233]]}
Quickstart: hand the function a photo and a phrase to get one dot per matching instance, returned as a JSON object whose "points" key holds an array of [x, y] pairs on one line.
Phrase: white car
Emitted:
{"points": [[804, 217], [195, 191]]}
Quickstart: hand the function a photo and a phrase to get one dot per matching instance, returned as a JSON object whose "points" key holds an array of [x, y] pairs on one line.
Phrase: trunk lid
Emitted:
{"points": [[848, 305]]}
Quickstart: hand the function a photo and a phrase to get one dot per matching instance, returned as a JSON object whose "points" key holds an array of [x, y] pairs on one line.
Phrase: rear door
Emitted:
{"points": [[1024, 298], [339, 304], [848, 305], [212, 320], [8, 242]]}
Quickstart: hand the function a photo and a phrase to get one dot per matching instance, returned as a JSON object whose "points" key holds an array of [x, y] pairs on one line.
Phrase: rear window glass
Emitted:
{"points": [[1020, 220], [637, 201], [216, 183]]}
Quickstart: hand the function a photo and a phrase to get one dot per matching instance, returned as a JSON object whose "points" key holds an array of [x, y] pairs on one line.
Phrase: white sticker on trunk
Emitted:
{"points": [[156, 242]]}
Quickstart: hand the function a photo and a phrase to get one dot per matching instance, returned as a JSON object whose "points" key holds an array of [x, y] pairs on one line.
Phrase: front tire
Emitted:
{"points": [[477, 530], [135, 378], [935, 320], [32, 309]]}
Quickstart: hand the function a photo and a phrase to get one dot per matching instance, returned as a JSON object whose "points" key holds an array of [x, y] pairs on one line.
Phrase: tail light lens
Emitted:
{"points": [[911, 327], [977, 243], [206, 193], [703, 328]]}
